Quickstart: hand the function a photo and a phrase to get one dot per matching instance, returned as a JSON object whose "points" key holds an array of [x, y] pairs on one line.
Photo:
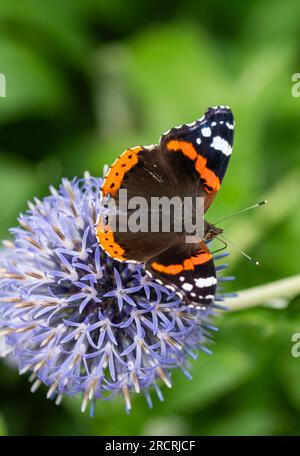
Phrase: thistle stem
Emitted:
{"points": [[284, 288]]}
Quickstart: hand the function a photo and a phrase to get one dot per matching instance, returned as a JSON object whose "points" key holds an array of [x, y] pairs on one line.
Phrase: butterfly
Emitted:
{"points": [[190, 160]]}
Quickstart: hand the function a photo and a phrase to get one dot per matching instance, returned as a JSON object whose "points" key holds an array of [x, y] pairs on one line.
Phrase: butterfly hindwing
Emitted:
{"points": [[189, 270]]}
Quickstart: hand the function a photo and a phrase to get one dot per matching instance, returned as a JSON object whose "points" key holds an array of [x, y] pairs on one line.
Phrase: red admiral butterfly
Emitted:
{"points": [[189, 160]]}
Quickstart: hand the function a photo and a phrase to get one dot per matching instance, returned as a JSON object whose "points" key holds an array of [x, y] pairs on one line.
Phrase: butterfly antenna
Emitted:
{"points": [[261, 203], [221, 248], [238, 249]]}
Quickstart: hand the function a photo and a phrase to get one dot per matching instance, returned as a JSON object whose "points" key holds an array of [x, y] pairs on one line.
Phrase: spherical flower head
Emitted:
{"points": [[80, 322]]}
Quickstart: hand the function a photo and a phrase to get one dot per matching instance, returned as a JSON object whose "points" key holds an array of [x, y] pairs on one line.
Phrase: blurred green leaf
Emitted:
{"points": [[56, 27], [32, 85], [213, 376], [3, 430], [17, 185], [253, 421]]}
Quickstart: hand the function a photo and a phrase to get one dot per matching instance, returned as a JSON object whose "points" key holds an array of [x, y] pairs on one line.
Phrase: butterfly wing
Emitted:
{"points": [[142, 172], [187, 269], [199, 153]]}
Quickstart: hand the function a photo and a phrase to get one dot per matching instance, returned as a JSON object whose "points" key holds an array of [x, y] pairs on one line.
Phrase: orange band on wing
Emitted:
{"points": [[121, 166], [200, 162], [188, 264], [186, 147], [106, 239], [209, 176], [173, 269], [202, 257]]}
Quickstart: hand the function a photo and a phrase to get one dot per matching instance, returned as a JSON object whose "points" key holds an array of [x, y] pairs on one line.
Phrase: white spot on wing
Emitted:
{"points": [[230, 126], [169, 287], [207, 282], [187, 286], [206, 131], [221, 144], [192, 306], [150, 146]]}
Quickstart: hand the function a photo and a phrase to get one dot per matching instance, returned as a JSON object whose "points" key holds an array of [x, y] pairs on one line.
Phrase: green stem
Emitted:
{"points": [[285, 288]]}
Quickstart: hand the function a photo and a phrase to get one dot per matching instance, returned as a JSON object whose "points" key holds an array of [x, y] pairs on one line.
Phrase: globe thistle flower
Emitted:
{"points": [[81, 323]]}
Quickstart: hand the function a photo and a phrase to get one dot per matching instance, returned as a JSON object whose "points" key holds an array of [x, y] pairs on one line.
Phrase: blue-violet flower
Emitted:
{"points": [[80, 322]]}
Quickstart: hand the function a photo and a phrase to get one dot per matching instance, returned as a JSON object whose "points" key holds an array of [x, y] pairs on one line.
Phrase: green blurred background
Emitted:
{"points": [[87, 79]]}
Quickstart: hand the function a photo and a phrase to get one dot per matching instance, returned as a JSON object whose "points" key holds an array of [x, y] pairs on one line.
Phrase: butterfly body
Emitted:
{"points": [[190, 161]]}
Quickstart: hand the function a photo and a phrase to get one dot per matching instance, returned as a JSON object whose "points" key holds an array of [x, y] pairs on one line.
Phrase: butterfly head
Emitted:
{"points": [[211, 231]]}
